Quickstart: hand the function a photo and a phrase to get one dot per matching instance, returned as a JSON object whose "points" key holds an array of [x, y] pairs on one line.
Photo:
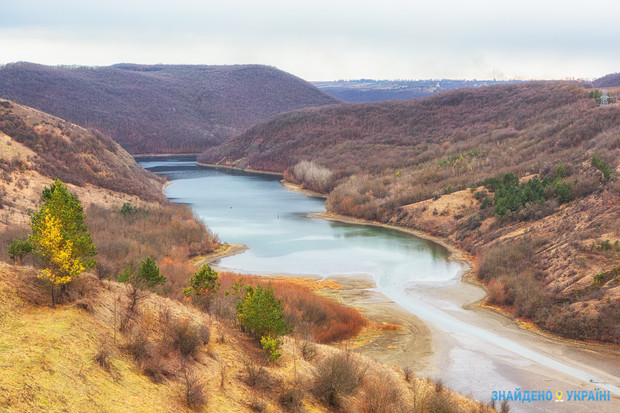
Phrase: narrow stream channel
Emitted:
{"points": [[475, 353]]}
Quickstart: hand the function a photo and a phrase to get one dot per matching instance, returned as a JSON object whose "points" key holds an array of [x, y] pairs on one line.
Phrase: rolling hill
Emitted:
{"points": [[99, 350], [522, 176], [36, 148], [610, 80], [160, 108]]}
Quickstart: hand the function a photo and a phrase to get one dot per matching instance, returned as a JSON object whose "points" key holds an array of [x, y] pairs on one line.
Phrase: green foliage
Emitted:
{"points": [[18, 248], [598, 279], [203, 282], [272, 346], [60, 237], [560, 171], [596, 95], [262, 315], [64, 206], [486, 203], [147, 278], [453, 160], [564, 191], [599, 164], [128, 209], [605, 245], [510, 195]]}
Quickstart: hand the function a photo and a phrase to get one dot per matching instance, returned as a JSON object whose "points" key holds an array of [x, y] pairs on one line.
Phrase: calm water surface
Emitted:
{"points": [[257, 211]]}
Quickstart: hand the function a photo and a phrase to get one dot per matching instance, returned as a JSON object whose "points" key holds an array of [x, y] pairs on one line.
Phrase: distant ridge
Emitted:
{"points": [[370, 90], [160, 108], [609, 80]]}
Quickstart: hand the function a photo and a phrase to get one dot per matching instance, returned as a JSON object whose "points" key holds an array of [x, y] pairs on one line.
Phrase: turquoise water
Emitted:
{"points": [[257, 211]]}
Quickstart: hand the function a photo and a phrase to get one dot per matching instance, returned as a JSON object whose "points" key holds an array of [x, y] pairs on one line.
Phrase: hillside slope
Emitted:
{"points": [[36, 148], [81, 357], [435, 164], [610, 80], [160, 108]]}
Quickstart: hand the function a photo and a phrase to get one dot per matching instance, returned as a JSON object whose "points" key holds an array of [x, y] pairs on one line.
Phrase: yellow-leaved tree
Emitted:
{"points": [[60, 237]]}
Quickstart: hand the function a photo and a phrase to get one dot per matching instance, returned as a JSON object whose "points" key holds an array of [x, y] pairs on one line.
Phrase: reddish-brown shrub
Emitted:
{"points": [[324, 319]]}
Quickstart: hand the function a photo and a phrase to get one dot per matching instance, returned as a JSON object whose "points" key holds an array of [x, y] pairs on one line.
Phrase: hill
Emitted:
{"points": [[104, 348], [609, 80], [160, 108], [36, 148], [369, 90], [461, 165], [171, 357]]}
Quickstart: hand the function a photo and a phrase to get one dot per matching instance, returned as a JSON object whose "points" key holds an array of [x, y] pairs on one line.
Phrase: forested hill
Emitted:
{"points": [[609, 80], [521, 176], [510, 122], [54, 148], [160, 108]]}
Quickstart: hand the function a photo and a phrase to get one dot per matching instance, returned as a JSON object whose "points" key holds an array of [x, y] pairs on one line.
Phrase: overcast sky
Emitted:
{"points": [[325, 39]]}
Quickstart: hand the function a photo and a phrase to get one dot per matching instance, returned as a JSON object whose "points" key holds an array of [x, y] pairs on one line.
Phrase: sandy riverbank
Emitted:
{"points": [[226, 250]]}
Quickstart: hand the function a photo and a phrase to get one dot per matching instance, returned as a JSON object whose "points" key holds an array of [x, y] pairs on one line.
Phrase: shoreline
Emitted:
{"points": [[234, 168], [466, 276], [226, 250], [455, 254], [297, 188]]}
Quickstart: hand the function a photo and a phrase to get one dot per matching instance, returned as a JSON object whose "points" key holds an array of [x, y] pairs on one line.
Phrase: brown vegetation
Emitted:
{"points": [[73, 154], [168, 233], [320, 319], [164, 360], [429, 164], [160, 108]]}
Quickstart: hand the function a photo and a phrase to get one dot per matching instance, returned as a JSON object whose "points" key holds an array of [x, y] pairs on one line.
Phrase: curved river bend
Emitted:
{"points": [[475, 352]]}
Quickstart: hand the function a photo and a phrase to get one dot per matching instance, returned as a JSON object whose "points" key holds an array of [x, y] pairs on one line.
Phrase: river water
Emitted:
{"points": [[475, 353]]}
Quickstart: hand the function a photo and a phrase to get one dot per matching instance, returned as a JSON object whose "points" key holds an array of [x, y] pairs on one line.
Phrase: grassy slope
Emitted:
{"points": [[160, 109], [412, 163], [47, 358]]}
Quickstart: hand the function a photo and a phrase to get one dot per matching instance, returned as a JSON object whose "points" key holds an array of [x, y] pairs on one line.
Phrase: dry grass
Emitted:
{"points": [[71, 360]]}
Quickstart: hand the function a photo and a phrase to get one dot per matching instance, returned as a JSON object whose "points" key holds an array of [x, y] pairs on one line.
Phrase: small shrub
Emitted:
{"points": [[193, 390], [381, 395], [18, 248], [308, 350], [103, 355], [408, 373], [272, 346], [338, 375], [291, 399], [439, 385], [153, 367], [185, 337], [599, 164], [497, 291], [139, 346], [255, 373]]}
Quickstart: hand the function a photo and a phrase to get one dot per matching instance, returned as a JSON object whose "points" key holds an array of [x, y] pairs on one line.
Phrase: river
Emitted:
{"points": [[475, 352]]}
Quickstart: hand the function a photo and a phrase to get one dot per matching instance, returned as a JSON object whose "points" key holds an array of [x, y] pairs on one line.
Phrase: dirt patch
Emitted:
{"points": [[410, 344]]}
